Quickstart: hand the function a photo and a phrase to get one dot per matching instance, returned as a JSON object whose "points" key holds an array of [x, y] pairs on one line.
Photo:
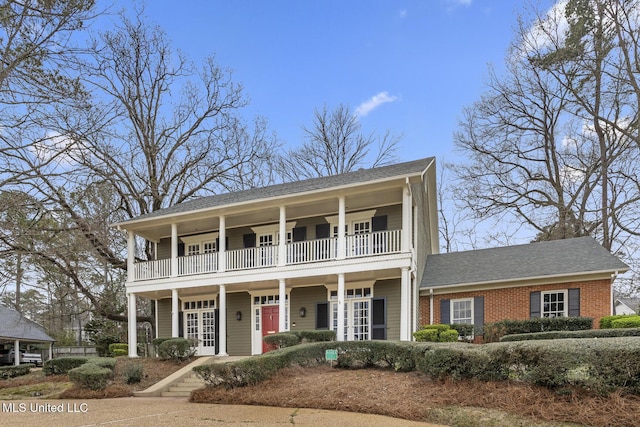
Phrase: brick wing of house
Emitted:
{"points": [[571, 277], [344, 252]]}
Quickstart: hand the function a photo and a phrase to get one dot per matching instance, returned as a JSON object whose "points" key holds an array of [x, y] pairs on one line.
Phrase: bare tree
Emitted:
{"points": [[151, 130], [334, 144]]}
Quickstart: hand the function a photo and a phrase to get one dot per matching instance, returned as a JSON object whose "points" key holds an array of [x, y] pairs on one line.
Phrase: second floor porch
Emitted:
{"points": [[213, 260]]}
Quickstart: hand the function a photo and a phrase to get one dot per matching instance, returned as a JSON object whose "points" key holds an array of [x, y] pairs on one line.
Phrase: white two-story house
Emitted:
{"points": [[344, 252]]}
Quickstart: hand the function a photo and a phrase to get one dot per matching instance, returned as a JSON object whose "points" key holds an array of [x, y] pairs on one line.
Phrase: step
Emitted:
{"points": [[176, 394]]}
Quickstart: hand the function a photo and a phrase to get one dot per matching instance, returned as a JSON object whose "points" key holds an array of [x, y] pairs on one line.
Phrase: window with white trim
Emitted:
{"points": [[554, 304], [462, 311]]}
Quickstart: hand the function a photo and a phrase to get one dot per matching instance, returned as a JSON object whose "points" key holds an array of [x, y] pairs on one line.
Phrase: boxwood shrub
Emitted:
{"points": [[177, 349], [282, 339], [15, 371], [315, 336], [626, 322], [591, 333], [62, 365], [118, 349], [90, 376], [436, 333], [494, 331], [606, 322]]}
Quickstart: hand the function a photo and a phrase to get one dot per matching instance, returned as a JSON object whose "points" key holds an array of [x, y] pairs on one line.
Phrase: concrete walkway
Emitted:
{"points": [[170, 411]]}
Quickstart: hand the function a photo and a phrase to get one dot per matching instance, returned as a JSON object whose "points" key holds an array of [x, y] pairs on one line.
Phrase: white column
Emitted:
{"points": [[131, 256], [342, 240], [174, 250], [16, 352], [405, 306], [155, 319], [222, 243], [282, 248], [175, 311], [340, 330], [133, 338], [405, 242], [50, 350], [222, 327], [282, 307]]}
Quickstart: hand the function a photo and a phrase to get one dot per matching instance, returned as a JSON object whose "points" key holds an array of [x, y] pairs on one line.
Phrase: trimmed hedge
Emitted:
{"points": [[63, 365], [282, 339], [629, 322], [7, 372], [436, 333], [178, 349], [591, 333], [606, 322], [118, 349], [494, 331], [315, 336], [601, 365], [91, 376]]}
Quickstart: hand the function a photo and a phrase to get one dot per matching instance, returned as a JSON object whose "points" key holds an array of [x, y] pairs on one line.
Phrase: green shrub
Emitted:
{"points": [[426, 335], [626, 322], [133, 372], [118, 349], [62, 365], [177, 349], [606, 322], [591, 333], [7, 372], [436, 333], [315, 336], [90, 376], [103, 362], [465, 330], [494, 331], [282, 339]]}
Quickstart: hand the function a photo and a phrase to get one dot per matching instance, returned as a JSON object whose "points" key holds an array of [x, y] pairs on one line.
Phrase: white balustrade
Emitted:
{"points": [[358, 245], [156, 269]]}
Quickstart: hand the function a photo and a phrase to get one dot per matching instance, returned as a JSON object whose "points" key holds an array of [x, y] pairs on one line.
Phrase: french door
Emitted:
{"points": [[357, 319], [201, 326]]}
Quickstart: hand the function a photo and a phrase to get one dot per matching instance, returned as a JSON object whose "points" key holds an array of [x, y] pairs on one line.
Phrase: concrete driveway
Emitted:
{"points": [[167, 411]]}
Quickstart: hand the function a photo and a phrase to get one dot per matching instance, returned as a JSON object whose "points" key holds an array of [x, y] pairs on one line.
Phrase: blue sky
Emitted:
{"points": [[406, 66]]}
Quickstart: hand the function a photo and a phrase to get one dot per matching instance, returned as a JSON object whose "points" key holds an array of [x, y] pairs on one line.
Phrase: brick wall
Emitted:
{"points": [[513, 303]]}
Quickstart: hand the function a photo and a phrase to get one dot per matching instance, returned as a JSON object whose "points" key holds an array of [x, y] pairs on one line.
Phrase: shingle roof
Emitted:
{"points": [[360, 176], [553, 258], [14, 325]]}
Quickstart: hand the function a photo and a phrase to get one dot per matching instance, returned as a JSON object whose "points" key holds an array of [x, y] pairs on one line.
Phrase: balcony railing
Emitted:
{"points": [[308, 251]]}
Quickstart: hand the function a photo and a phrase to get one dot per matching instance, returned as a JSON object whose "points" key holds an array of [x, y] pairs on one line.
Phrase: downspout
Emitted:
{"points": [[431, 306], [614, 276]]}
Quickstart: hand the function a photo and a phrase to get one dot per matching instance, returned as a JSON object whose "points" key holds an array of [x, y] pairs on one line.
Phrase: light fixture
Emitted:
{"points": [[238, 315], [303, 312]]}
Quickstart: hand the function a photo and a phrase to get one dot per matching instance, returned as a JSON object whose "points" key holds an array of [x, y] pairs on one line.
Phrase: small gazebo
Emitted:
{"points": [[16, 328]]}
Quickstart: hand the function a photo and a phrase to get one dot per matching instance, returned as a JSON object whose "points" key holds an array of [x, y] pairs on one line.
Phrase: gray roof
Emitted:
{"points": [[360, 176], [554, 258], [14, 325]]}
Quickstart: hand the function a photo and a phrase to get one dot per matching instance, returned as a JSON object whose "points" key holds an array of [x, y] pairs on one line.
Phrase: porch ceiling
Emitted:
{"points": [[269, 212]]}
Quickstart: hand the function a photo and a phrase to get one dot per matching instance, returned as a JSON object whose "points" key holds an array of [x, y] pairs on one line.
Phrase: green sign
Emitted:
{"points": [[331, 354]]}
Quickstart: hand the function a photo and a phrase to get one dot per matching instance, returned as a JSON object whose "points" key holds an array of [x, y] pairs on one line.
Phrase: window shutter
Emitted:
{"points": [[574, 302], [478, 315], [534, 305], [226, 243], [216, 319], [299, 234], [379, 223], [445, 311], [322, 315], [249, 240], [180, 249], [379, 319], [323, 231], [180, 324]]}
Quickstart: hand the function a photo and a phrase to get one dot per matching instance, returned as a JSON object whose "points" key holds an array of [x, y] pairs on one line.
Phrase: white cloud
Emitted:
{"points": [[374, 102]]}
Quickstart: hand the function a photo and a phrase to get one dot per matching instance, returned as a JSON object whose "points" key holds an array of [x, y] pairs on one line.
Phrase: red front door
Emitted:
{"points": [[270, 324]]}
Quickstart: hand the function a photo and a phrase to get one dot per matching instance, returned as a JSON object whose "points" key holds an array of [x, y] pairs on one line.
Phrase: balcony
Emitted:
{"points": [[308, 251]]}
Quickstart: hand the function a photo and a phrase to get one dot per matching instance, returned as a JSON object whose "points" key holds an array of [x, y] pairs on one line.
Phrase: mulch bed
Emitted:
{"points": [[411, 396]]}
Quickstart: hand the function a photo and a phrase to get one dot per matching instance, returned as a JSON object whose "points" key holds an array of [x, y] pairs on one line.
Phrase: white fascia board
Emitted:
{"points": [[513, 283], [232, 206]]}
